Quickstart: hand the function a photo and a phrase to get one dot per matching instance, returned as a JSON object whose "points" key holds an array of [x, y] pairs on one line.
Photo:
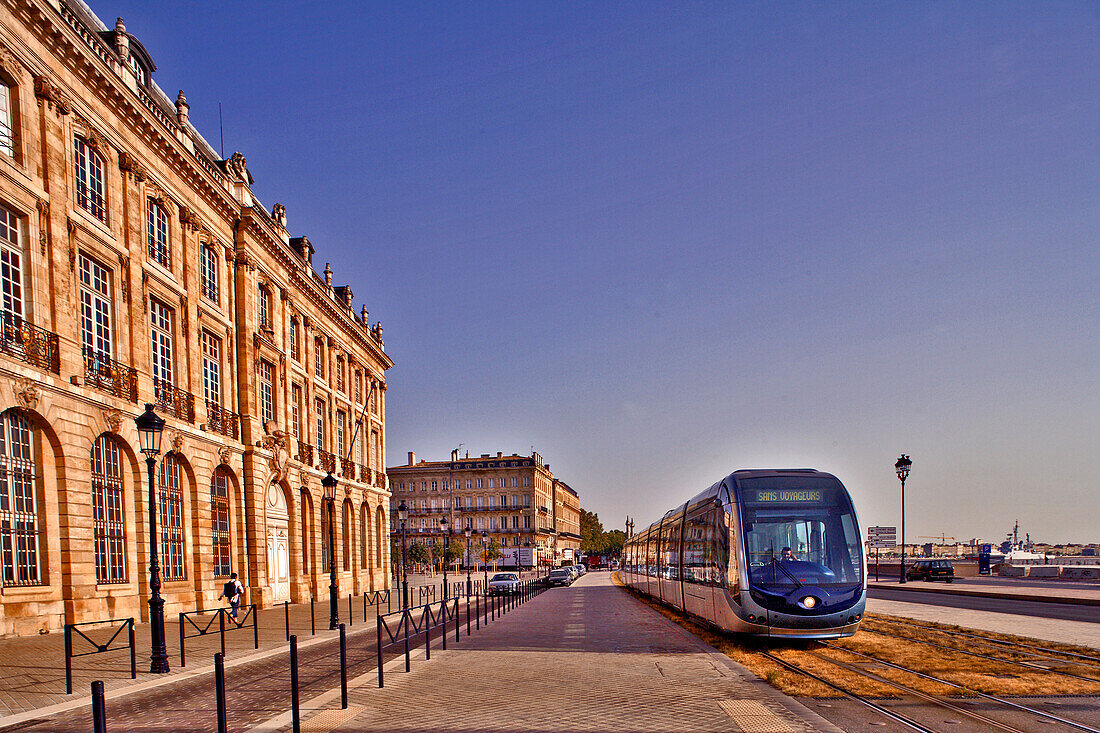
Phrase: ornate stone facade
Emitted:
{"points": [[147, 271], [515, 499]]}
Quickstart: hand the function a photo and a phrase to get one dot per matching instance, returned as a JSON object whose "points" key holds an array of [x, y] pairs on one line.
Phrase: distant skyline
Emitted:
{"points": [[660, 242]]}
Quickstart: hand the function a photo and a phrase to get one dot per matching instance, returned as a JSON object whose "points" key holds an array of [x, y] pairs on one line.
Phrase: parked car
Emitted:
{"points": [[503, 584], [931, 570], [560, 576], [581, 569]]}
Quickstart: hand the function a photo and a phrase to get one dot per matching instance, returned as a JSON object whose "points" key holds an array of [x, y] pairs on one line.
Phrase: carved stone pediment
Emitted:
{"points": [[128, 163], [113, 419], [175, 440], [26, 393], [224, 455], [48, 93]]}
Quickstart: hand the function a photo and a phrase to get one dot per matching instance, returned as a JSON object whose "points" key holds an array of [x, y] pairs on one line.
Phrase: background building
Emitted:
{"points": [[514, 498], [138, 266]]}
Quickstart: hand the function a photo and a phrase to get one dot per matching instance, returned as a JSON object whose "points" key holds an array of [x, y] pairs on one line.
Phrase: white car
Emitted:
{"points": [[503, 584]]}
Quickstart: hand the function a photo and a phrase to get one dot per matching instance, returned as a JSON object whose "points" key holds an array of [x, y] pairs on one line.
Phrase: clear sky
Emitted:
{"points": [[659, 242]]}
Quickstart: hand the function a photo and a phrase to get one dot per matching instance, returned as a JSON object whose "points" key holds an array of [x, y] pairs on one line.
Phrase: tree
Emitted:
{"points": [[492, 551], [418, 552], [613, 541], [592, 534]]}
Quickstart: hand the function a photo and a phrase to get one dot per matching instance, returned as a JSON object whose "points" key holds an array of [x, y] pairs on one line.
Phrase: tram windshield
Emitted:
{"points": [[800, 530]]}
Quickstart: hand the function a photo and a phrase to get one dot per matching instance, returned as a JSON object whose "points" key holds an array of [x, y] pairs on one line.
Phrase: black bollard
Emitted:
{"points": [[221, 627], [351, 616], [219, 691], [296, 713], [343, 668], [99, 708], [312, 623], [286, 618]]}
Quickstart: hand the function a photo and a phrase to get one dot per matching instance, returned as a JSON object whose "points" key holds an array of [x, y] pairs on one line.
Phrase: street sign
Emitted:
{"points": [[879, 544], [878, 531]]}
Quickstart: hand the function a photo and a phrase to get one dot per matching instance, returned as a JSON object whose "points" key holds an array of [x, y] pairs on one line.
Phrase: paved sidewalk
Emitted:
{"points": [[589, 657], [1052, 592]]}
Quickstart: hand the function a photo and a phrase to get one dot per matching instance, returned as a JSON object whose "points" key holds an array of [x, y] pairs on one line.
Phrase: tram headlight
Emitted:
{"points": [[808, 602]]}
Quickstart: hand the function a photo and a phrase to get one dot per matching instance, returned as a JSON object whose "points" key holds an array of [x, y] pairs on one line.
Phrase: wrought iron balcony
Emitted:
{"points": [[21, 339], [113, 377], [177, 402], [365, 475], [327, 460], [305, 453], [347, 469], [220, 420]]}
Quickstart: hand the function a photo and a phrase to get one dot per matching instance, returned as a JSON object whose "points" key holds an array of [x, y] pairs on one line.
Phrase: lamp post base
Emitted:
{"points": [[158, 659]]}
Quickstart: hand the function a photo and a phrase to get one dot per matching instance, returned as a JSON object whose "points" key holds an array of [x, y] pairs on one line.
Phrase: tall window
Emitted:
{"points": [[110, 527], [296, 411], [267, 391], [95, 308], [89, 180], [319, 358], [347, 535], [358, 387], [18, 502], [364, 531], [340, 374], [208, 273], [158, 234], [341, 419], [160, 328], [11, 263], [265, 308], [319, 409], [219, 516], [374, 450], [211, 368], [170, 519], [7, 139], [294, 340]]}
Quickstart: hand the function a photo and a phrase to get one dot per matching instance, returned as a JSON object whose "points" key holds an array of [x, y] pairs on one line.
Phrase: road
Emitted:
{"points": [[1062, 611]]}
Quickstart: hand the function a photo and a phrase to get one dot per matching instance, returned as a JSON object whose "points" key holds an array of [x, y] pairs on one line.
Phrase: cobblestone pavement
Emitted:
{"points": [[257, 685], [584, 658], [34, 667]]}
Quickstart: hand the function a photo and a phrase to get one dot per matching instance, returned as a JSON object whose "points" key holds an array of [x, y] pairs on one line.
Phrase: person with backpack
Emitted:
{"points": [[232, 592]]}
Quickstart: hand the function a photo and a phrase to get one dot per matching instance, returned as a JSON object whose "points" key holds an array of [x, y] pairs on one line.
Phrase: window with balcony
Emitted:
{"points": [[157, 225], [160, 329], [341, 432], [319, 411], [211, 368], [11, 266], [296, 410], [95, 307], [90, 189]]}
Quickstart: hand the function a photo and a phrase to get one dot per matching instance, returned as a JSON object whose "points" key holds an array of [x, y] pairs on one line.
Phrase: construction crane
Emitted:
{"points": [[943, 538]]}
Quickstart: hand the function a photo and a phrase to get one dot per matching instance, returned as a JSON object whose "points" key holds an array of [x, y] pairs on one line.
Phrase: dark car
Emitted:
{"points": [[931, 570], [560, 576]]}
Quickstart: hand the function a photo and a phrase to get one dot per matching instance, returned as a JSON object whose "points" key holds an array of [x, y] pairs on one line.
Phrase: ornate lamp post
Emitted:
{"points": [[446, 551], [527, 545], [328, 483], [469, 559], [403, 514], [149, 428], [902, 469], [485, 560]]}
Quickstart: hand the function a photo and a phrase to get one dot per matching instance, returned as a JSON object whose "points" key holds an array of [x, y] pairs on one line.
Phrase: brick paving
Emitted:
{"points": [[585, 658]]}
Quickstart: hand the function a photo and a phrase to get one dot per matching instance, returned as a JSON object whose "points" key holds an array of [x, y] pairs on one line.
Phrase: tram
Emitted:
{"points": [[767, 553]]}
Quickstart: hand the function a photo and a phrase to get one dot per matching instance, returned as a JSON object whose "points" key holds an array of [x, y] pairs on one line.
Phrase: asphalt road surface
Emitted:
{"points": [[1063, 611]]}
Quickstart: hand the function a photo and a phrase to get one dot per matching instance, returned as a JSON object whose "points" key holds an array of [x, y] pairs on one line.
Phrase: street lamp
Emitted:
{"points": [[902, 468], [469, 584], [446, 551], [149, 428], [527, 545], [403, 514], [328, 483], [485, 559]]}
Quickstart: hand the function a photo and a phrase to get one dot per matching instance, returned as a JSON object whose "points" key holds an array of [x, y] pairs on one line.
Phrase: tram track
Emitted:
{"points": [[967, 690]]}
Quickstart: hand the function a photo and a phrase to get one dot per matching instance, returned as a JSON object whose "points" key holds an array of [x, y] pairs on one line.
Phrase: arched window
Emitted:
{"points": [[208, 273], [90, 189], [157, 225], [364, 539], [110, 525], [307, 533], [170, 519], [347, 535], [219, 518], [18, 502], [264, 308], [325, 549], [378, 561]]}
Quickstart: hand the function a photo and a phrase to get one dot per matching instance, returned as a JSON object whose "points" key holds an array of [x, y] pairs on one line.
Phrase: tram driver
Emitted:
{"points": [[786, 555]]}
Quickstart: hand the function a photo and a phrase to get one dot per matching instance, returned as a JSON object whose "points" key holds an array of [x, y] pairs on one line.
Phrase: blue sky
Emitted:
{"points": [[660, 242]]}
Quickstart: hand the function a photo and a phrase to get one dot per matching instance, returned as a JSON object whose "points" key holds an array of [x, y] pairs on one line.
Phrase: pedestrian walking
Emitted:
{"points": [[232, 592]]}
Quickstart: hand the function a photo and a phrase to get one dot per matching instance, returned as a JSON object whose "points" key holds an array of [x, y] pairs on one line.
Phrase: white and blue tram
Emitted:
{"points": [[770, 553]]}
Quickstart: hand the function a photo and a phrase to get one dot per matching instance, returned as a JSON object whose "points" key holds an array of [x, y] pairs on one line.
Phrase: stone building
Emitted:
{"points": [[515, 499], [138, 267]]}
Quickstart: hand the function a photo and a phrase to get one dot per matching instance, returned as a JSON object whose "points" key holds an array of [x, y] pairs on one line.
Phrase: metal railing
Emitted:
{"points": [[176, 402], [347, 469], [400, 627], [305, 453], [99, 647], [326, 460], [109, 375], [21, 339], [221, 420], [193, 629]]}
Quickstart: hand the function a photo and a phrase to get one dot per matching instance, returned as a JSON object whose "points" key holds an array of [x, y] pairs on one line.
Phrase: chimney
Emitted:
{"points": [[454, 454], [412, 458], [500, 454]]}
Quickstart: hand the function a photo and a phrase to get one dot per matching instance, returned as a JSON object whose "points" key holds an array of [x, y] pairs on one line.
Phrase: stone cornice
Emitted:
{"points": [[98, 72], [350, 327]]}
